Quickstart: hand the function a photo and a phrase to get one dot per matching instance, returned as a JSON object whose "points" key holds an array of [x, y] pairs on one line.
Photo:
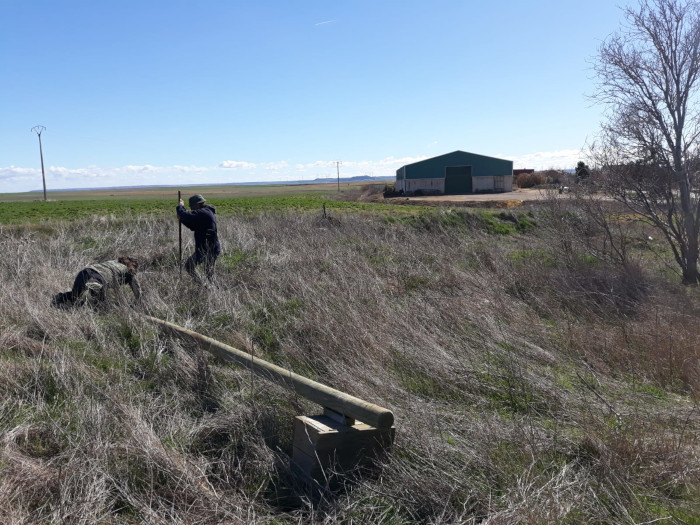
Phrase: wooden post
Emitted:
{"points": [[179, 224], [350, 434], [327, 397], [39, 130]]}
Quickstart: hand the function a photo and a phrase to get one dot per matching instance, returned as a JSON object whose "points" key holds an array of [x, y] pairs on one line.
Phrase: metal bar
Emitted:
{"points": [[325, 396]]}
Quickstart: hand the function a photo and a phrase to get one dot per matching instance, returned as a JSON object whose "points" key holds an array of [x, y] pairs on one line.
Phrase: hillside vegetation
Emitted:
{"points": [[531, 381]]}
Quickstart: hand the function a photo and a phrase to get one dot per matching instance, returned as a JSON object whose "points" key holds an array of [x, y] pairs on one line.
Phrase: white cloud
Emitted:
{"points": [[235, 164], [324, 22], [322, 164], [16, 179], [91, 172], [188, 169], [275, 166], [542, 160]]}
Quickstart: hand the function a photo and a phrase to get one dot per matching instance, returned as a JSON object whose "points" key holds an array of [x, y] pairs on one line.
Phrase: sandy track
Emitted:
{"points": [[506, 199]]}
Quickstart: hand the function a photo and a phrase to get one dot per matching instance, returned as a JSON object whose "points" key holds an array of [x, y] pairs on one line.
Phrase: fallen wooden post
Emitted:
{"points": [[350, 433]]}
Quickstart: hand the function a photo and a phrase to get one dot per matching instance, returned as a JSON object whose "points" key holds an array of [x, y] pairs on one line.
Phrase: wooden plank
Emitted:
{"points": [[320, 442], [344, 404], [321, 434]]}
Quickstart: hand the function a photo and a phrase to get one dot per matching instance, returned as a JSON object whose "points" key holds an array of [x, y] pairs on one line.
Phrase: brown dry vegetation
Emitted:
{"points": [[531, 382], [530, 180]]}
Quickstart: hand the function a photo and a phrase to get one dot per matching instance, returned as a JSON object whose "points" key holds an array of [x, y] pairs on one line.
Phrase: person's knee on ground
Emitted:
{"points": [[93, 294]]}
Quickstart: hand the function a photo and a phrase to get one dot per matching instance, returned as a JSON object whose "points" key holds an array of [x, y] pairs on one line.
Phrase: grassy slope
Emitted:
{"points": [[527, 386]]}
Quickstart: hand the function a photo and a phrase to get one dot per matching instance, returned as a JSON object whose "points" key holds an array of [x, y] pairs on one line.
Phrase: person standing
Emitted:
{"points": [[91, 283], [202, 221]]}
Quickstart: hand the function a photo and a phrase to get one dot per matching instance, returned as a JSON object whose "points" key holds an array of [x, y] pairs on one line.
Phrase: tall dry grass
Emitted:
{"points": [[528, 387]]}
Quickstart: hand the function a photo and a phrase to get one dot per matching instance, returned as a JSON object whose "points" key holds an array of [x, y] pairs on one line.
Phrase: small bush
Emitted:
{"points": [[530, 180]]}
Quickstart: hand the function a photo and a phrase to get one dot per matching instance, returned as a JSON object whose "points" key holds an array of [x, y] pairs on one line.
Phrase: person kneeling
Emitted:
{"points": [[91, 284]]}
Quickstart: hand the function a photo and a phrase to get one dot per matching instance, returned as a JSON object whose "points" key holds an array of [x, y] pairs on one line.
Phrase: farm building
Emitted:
{"points": [[456, 173]]}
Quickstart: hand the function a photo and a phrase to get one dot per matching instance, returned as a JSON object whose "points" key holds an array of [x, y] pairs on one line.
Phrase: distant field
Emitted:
{"points": [[18, 208], [170, 193]]}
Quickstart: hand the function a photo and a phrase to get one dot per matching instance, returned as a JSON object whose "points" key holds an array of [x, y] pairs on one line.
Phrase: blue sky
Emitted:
{"points": [[188, 92]]}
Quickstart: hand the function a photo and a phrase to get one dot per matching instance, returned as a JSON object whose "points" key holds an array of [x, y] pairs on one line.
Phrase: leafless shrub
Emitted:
{"points": [[529, 180]]}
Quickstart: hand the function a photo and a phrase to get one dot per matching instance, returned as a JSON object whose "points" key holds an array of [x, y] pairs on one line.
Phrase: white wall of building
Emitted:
{"points": [[482, 184], [500, 183], [412, 185]]}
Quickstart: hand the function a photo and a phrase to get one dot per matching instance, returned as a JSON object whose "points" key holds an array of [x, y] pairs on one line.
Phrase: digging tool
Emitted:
{"points": [[179, 224]]}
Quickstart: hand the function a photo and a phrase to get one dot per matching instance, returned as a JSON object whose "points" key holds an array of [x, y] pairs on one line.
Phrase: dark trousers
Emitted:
{"points": [[81, 284], [199, 257]]}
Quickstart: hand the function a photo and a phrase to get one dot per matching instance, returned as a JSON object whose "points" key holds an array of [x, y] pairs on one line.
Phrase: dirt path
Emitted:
{"points": [[506, 199]]}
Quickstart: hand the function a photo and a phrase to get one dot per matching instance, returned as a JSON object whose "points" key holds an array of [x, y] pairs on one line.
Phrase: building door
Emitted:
{"points": [[458, 180], [499, 184]]}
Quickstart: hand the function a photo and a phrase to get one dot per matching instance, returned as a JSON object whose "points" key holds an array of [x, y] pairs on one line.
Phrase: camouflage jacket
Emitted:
{"points": [[116, 274]]}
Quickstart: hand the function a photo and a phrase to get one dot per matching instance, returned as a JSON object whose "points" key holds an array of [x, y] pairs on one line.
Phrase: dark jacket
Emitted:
{"points": [[203, 223]]}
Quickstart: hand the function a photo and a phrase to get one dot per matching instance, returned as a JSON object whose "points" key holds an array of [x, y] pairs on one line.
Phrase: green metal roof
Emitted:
{"points": [[434, 167]]}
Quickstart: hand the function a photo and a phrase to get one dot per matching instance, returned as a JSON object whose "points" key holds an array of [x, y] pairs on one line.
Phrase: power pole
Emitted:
{"points": [[337, 168], [38, 130]]}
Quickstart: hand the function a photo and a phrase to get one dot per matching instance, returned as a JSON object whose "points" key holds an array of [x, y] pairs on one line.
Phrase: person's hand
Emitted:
{"points": [[182, 203]]}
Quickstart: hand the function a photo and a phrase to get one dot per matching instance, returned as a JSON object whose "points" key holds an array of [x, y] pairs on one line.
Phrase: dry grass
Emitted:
{"points": [[528, 387]]}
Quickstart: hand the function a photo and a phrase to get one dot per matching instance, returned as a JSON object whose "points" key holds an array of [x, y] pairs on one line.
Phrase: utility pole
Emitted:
{"points": [[337, 168], [38, 130]]}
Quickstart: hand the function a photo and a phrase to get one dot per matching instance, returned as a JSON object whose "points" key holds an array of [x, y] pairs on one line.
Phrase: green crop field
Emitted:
{"points": [[170, 192], [17, 208]]}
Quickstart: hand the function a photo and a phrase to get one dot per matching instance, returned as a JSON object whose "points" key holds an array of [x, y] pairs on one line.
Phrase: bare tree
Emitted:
{"points": [[648, 152]]}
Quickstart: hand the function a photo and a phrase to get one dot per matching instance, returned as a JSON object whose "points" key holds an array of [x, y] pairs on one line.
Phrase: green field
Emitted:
{"points": [[170, 193], [17, 208]]}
